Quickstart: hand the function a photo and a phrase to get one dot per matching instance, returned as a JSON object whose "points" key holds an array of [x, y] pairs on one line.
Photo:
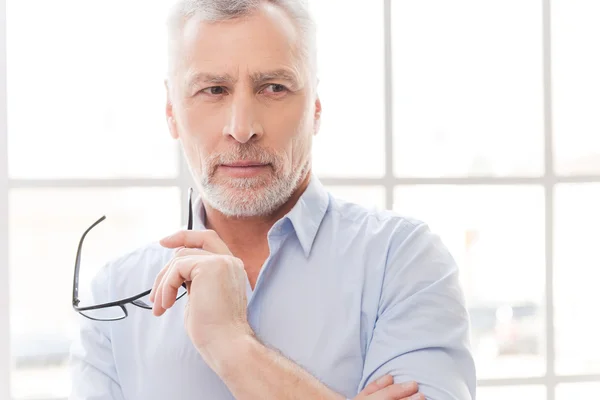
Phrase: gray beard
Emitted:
{"points": [[251, 197]]}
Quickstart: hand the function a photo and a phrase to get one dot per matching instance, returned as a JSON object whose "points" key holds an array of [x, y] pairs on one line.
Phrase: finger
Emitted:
{"points": [[158, 307], [184, 269], [208, 240], [158, 280], [156, 292], [396, 392], [157, 289], [179, 267], [182, 251], [374, 386], [416, 396]]}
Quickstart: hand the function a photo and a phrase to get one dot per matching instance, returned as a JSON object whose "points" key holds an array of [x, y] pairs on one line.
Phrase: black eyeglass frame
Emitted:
{"points": [[134, 300]]}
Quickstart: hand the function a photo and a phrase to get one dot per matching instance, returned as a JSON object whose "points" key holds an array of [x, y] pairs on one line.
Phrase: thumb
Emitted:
{"points": [[207, 240]]}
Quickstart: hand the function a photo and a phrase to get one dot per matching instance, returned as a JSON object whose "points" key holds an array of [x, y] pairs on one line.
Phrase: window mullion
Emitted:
{"points": [[5, 359], [549, 186]]}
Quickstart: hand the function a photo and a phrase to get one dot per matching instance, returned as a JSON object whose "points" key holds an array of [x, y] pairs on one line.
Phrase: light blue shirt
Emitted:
{"points": [[347, 293]]}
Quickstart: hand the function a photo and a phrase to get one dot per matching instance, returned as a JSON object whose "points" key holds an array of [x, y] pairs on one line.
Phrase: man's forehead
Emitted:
{"points": [[269, 23], [257, 47]]}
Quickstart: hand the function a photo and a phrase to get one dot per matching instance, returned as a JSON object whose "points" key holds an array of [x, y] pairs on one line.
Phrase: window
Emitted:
{"points": [[496, 234], [87, 137], [478, 117]]}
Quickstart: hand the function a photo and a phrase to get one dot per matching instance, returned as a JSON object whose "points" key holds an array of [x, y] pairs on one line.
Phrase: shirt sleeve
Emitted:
{"points": [[422, 329], [93, 372]]}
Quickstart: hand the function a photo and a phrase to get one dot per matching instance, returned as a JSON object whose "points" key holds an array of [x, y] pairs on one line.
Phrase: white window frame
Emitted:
{"points": [[549, 180], [4, 295]]}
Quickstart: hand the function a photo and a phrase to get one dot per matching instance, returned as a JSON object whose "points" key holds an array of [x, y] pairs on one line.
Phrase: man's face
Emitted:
{"points": [[243, 105]]}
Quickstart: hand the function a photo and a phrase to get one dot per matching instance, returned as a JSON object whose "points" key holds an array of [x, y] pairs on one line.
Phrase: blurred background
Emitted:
{"points": [[480, 117]]}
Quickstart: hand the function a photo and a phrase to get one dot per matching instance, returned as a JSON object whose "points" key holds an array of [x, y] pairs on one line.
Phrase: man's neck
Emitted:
{"points": [[242, 235]]}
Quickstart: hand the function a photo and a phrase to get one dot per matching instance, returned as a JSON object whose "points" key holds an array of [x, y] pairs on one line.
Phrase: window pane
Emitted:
{"points": [[86, 101], [576, 279], [366, 196], [351, 140], [511, 392], [578, 391], [467, 89], [576, 85], [50, 222], [496, 235]]}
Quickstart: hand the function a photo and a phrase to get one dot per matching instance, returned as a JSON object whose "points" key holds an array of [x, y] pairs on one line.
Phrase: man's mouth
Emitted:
{"points": [[244, 164], [243, 169]]}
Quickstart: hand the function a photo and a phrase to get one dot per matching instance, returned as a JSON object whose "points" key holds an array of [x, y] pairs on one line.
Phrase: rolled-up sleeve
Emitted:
{"points": [[93, 372], [422, 328]]}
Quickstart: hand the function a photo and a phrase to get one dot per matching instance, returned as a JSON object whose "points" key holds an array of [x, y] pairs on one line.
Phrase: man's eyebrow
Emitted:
{"points": [[209, 78], [257, 78], [278, 74]]}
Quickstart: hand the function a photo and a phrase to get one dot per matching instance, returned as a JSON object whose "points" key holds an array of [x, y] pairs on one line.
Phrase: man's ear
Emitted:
{"points": [[169, 114], [317, 115]]}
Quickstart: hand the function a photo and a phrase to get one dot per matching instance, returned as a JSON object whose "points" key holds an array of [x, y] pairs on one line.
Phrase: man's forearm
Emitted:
{"points": [[252, 371]]}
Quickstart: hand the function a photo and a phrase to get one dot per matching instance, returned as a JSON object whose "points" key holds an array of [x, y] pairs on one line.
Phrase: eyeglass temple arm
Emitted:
{"points": [[78, 261], [190, 224]]}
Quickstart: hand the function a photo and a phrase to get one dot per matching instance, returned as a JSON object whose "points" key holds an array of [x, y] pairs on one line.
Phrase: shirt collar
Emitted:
{"points": [[307, 214], [305, 217]]}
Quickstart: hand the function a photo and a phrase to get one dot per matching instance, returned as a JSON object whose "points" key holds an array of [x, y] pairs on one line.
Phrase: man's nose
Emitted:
{"points": [[242, 124]]}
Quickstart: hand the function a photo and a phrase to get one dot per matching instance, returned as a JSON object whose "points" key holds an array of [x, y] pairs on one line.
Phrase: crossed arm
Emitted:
{"points": [[420, 338], [252, 371]]}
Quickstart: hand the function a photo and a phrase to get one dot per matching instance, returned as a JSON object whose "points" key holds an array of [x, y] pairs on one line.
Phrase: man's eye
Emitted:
{"points": [[276, 88], [214, 90]]}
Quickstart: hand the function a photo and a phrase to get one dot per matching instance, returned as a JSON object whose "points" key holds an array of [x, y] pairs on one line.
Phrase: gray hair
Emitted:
{"points": [[222, 10]]}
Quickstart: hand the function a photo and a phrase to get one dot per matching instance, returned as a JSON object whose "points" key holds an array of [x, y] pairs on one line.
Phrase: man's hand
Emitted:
{"points": [[385, 389], [216, 283]]}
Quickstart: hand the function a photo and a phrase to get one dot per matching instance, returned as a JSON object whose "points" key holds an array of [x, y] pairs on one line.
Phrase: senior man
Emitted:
{"points": [[291, 293]]}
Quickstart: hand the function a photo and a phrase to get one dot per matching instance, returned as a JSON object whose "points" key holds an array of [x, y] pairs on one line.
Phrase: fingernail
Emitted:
{"points": [[407, 385], [416, 396]]}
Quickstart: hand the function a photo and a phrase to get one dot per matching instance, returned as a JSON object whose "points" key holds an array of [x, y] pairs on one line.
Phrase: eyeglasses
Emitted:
{"points": [[115, 310]]}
